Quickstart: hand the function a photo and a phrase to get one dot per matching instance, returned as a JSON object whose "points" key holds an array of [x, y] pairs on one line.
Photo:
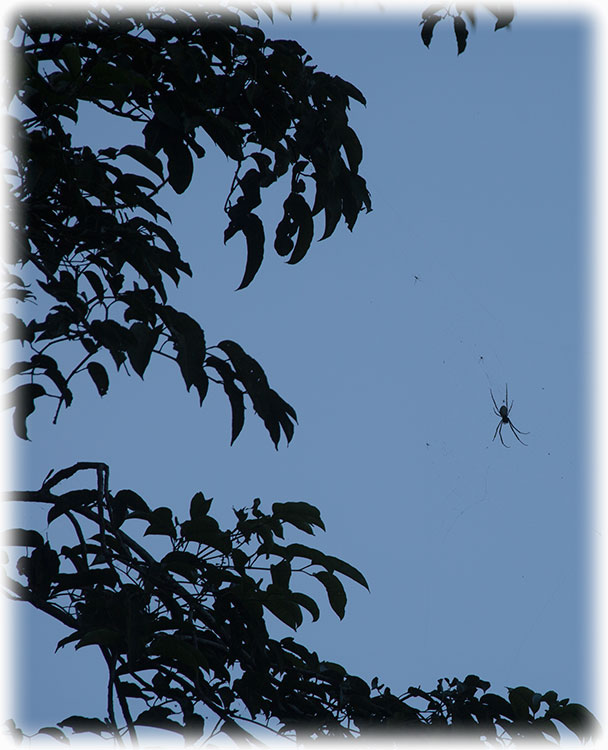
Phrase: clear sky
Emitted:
{"points": [[470, 273]]}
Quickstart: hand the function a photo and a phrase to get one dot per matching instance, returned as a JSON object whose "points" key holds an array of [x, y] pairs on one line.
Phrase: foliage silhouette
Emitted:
{"points": [[90, 231], [184, 634], [431, 16]]}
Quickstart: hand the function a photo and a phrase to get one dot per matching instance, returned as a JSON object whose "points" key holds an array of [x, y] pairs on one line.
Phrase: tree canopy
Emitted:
{"points": [[93, 230], [183, 633]]}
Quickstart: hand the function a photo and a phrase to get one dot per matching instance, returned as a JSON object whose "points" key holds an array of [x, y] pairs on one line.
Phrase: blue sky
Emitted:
{"points": [[471, 272]]}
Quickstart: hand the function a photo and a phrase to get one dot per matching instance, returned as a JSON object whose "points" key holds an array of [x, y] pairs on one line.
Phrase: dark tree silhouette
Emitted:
{"points": [[183, 634]]}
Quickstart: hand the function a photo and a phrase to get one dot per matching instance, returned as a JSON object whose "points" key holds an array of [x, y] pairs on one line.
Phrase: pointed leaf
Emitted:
{"points": [[427, 29], [253, 229], [180, 164], [347, 570], [144, 157], [461, 32], [335, 591]]}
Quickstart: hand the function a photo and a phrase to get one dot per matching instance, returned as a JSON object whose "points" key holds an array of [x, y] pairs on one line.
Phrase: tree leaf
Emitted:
{"points": [[335, 591], [299, 514], [253, 229], [303, 216], [308, 603], [428, 27], [96, 284], [285, 610], [180, 164], [21, 538], [235, 395], [505, 13], [352, 147], [347, 570], [132, 500], [161, 523], [461, 32], [22, 398], [99, 376], [80, 724], [199, 506], [144, 157], [140, 350]]}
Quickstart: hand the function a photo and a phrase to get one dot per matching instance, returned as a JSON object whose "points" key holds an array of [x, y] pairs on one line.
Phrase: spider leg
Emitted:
{"points": [[495, 404], [515, 431], [496, 430], [500, 435], [521, 432], [507, 397]]}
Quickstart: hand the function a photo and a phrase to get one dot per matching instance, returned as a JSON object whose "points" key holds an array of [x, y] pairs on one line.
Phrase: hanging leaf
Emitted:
{"points": [[253, 229], [22, 399], [145, 158], [99, 376], [505, 13], [427, 29], [180, 164], [335, 591], [461, 32]]}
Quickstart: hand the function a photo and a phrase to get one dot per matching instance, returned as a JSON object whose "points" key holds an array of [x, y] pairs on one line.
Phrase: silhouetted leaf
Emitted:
{"points": [[235, 395], [181, 167], [17, 329], [140, 350], [99, 376], [253, 229], [308, 603], [80, 724], [21, 538], [22, 399], [335, 591], [347, 570], [461, 32], [199, 506], [504, 12], [144, 157], [299, 514], [427, 29], [352, 147], [284, 609], [161, 523], [302, 215], [96, 284]]}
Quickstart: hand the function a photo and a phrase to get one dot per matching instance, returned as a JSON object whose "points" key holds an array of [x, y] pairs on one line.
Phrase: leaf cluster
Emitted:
{"points": [[88, 228], [431, 16], [185, 638]]}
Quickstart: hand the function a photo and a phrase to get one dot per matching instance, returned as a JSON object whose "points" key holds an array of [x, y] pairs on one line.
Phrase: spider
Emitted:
{"points": [[503, 412]]}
